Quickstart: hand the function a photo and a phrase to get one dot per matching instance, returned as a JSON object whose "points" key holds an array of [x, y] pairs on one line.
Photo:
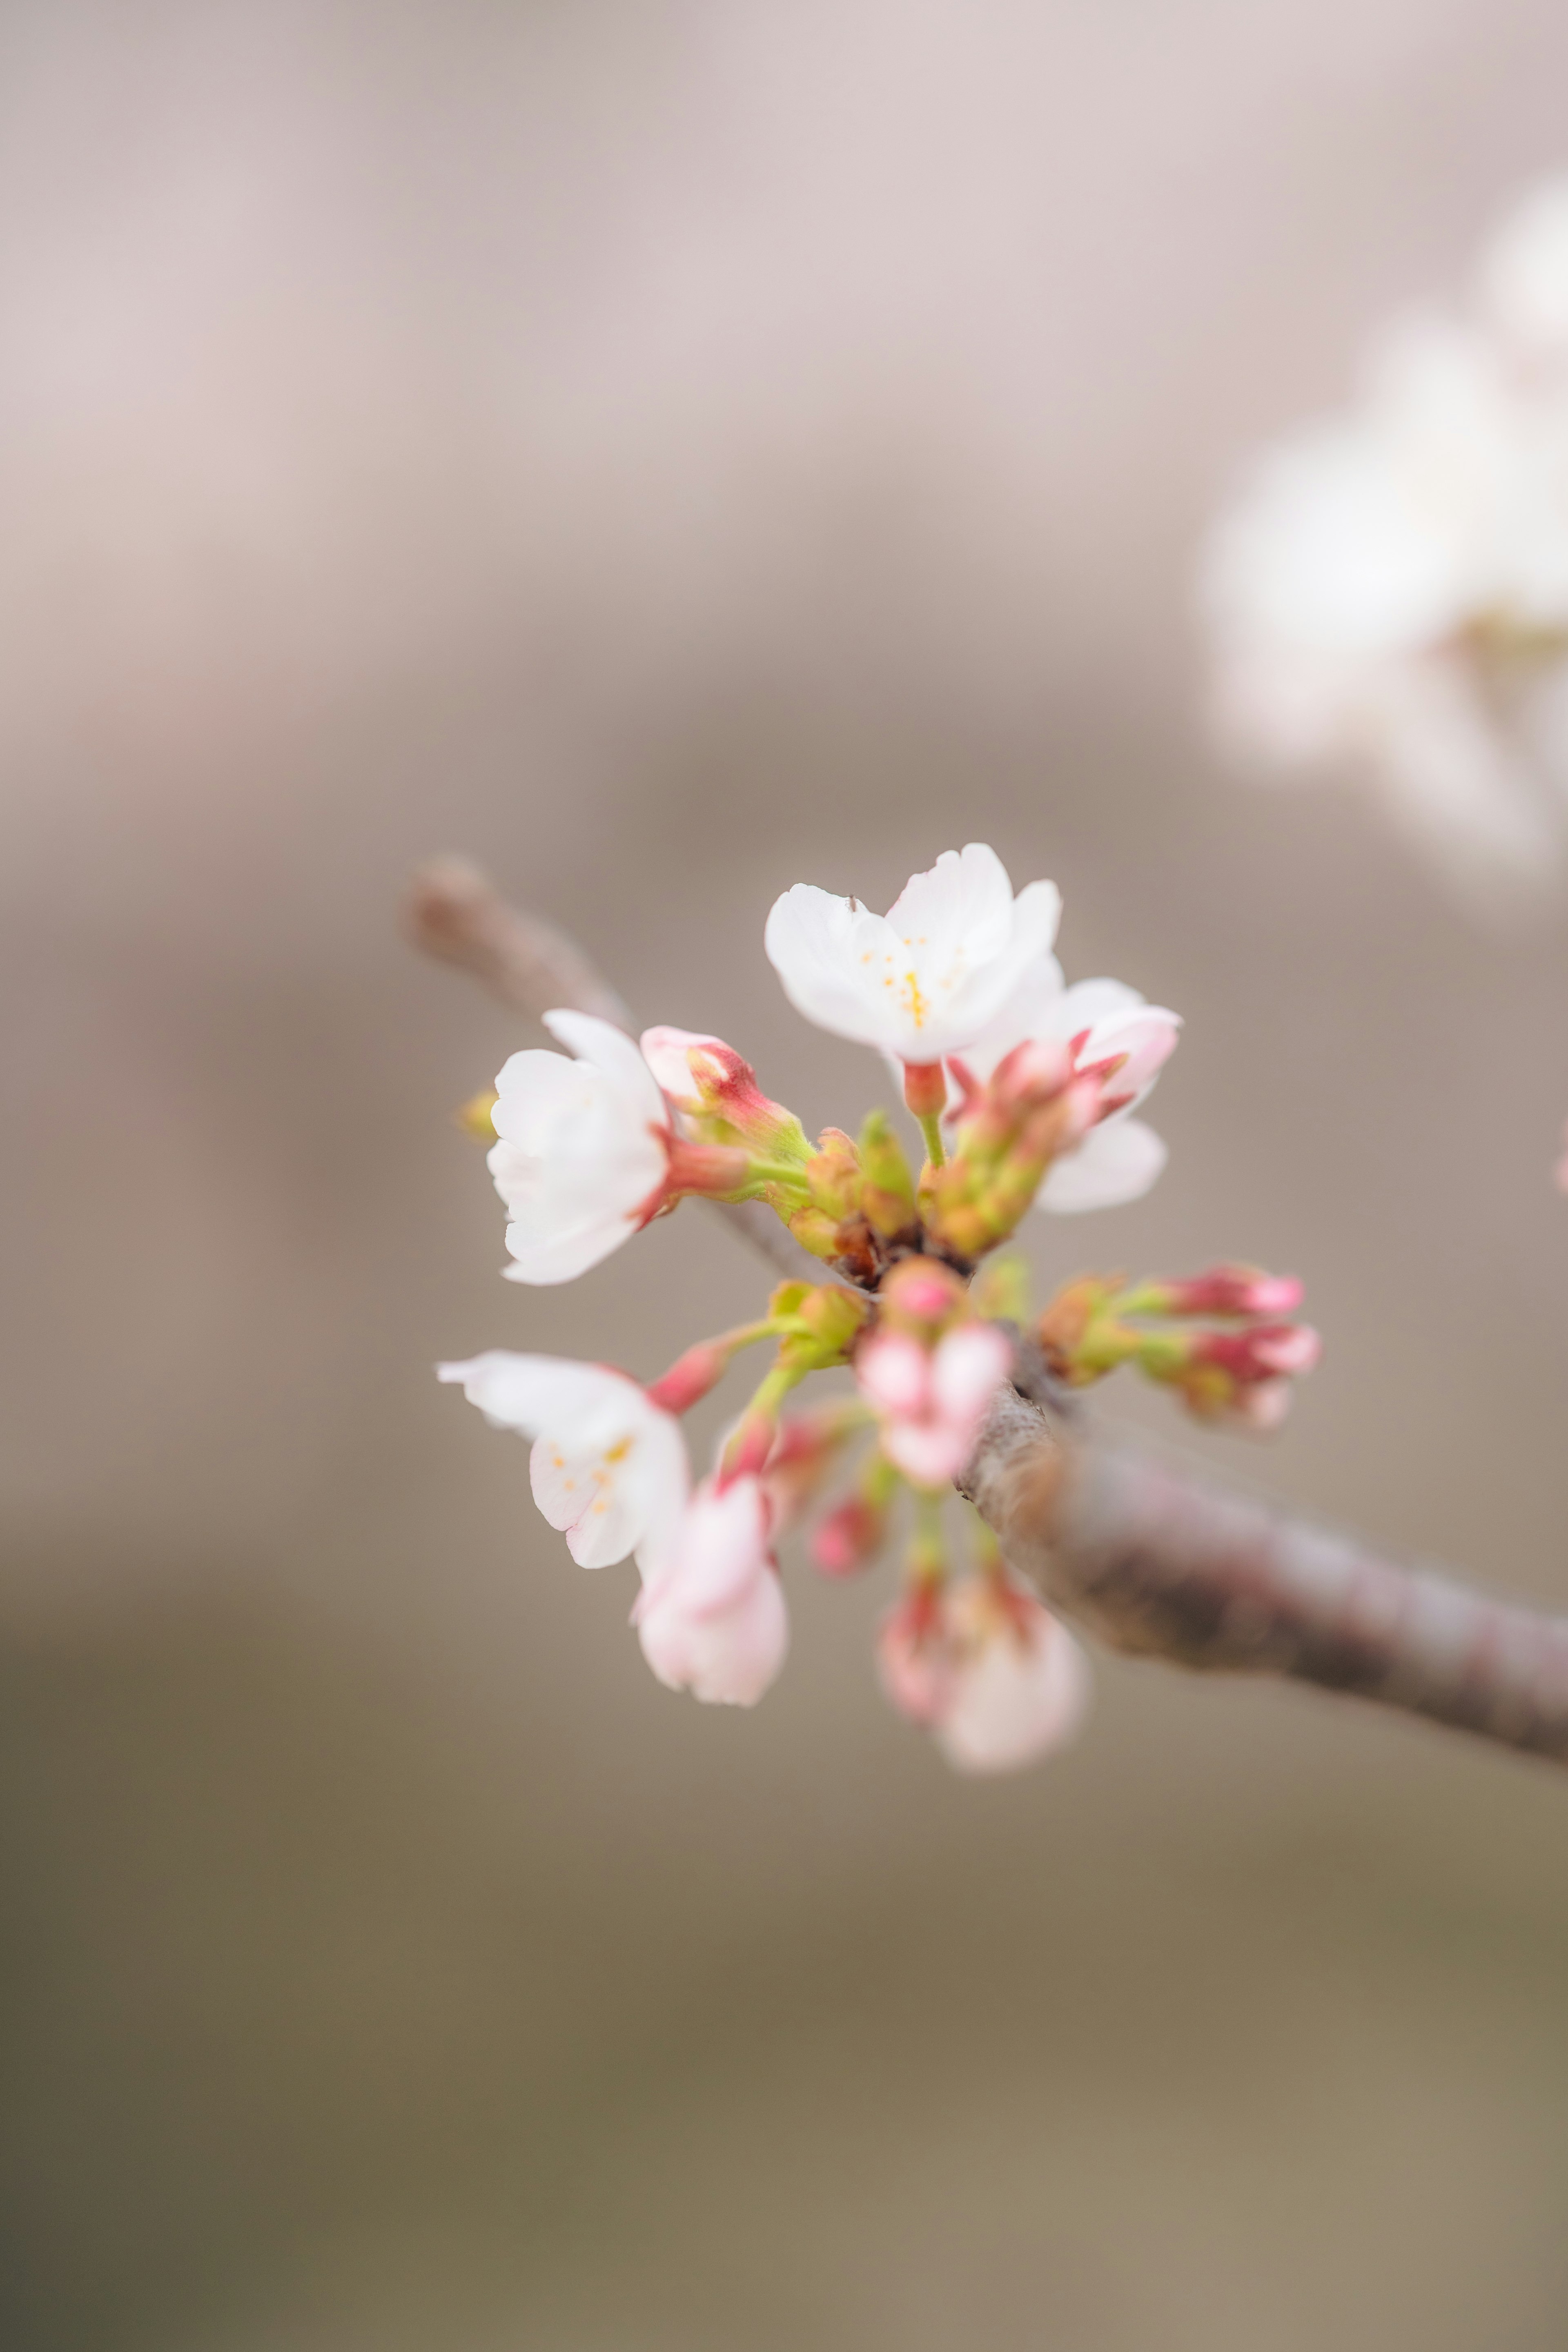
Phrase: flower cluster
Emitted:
{"points": [[1024, 1090], [1391, 590]]}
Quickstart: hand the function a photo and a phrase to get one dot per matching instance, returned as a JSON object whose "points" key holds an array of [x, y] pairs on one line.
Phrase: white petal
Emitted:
{"points": [[922, 982], [1117, 1161], [893, 1373], [529, 1393], [609, 1049], [562, 1257], [535, 1090], [1029, 1011], [1525, 275], [666, 1053], [1012, 1703], [1089, 1001], [970, 1366], [816, 943], [728, 1659], [964, 898], [931, 1452], [609, 1467]]}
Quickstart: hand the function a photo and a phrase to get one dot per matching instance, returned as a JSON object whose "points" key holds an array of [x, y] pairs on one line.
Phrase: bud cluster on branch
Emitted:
{"points": [[1023, 1091]]}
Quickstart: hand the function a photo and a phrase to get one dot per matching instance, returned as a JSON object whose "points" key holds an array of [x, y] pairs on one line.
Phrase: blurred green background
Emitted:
{"points": [[670, 451]]}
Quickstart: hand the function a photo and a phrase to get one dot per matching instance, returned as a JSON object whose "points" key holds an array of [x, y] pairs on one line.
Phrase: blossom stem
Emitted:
{"points": [[752, 1440], [931, 1128], [927, 1562]]}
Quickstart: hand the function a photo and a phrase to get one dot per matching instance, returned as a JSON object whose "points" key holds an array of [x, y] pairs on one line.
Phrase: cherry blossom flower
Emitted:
{"points": [[931, 1403], [712, 1616], [1390, 590], [923, 981], [609, 1467], [583, 1158], [1113, 1033], [987, 1668]]}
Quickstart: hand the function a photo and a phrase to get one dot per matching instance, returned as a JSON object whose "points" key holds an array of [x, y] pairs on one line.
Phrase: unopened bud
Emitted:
{"points": [[474, 1115], [1225, 1290], [717, 1092], [692, 1376], [833, 1174], [887, 1188], [923, 1297], [849, 1537]]}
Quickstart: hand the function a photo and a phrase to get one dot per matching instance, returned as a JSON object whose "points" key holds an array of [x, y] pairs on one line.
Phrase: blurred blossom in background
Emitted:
{"points": [[672, 451], [1393, 587]]}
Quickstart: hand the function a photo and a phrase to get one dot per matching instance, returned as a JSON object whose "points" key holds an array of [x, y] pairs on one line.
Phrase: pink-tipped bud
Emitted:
{"points": [[1228, 1290], [915, 1660], [1262, 1406], [849, 1537], [691, 1377], [1035, 1072], [1262, 1353], [707, 1080], [1125, 1053], [923, 1297]]}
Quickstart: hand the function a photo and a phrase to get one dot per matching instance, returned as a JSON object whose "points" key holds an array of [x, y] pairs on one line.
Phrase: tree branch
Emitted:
{"points": [[1156, 1560]]}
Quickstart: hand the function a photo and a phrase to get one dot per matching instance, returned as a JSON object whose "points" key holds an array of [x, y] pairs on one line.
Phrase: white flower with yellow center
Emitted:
{"points": [[608, 1468], [924, 979]]}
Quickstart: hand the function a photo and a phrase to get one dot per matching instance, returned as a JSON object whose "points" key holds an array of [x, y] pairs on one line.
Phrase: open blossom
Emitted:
{"points": [[1112, 1033], [998, 1680], [930, 1403], [609, 1467], [923, 981], [583, 1156], [710, 1616], [1391, 588]]}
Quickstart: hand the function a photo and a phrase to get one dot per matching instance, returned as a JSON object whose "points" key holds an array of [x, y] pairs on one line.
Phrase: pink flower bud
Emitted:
{"points": [[692, 1376], [706, 1079], [849, 1537], [1229, 1290], [915, 1659], [930, 1406]]}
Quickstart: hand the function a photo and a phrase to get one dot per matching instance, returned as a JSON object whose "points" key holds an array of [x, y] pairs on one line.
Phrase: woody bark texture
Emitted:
{"points": [[1159, 1561], [1156, 1560]]}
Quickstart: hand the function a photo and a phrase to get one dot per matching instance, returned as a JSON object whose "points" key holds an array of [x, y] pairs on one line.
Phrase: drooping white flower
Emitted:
{"points": [[609, 1467], [930, 1403], [1111, 1031], [923, 981], [583, 1156], [712, 1616], [1021, 1689], [988, 1670], [1390, 590]]}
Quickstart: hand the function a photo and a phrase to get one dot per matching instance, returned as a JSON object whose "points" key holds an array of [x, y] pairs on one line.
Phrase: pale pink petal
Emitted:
{"points": [[893, 1373], [668, 1053], [931, 1452], [970, 1365], [609, 1049], [1017, 1699], [729, 1658], [1117, 1161]]}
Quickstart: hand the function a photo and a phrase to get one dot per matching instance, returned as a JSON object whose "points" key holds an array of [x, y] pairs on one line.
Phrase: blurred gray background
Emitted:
{"points": [[670, 451]]}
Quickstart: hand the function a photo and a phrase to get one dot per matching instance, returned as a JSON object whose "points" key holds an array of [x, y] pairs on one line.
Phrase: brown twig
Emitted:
{"points": [[1156, 1558]]}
